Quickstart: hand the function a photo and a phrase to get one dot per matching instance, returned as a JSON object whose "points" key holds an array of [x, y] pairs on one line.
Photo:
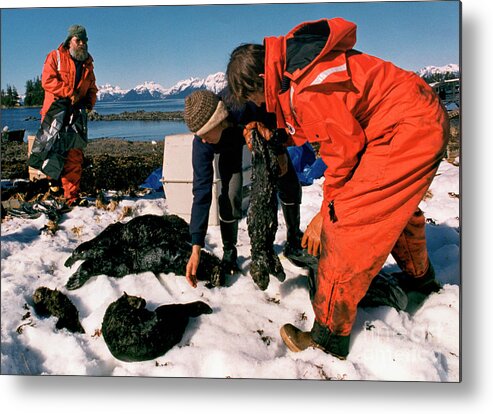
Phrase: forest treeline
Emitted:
{"points": [[34, 95]]}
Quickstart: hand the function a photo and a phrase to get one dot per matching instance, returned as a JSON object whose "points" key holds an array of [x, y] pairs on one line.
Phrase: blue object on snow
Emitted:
{"points": [[314, 171], [307, 166], [154, 180], [301, 156]]}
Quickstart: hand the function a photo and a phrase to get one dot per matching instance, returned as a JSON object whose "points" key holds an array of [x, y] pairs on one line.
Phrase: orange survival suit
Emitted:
{"points": [[382, 134], [58, 81]]}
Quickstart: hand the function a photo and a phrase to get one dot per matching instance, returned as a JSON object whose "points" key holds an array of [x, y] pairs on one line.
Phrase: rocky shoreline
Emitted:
{"points": [[110, 163], [122, 165], [140, 115], [137, 116]]}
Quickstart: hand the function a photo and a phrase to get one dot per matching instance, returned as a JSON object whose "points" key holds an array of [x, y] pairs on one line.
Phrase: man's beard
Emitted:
{"points": [[80, 54]]}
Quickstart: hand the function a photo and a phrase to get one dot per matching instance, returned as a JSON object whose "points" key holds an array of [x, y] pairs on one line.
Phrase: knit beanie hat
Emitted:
{"points": [[78, 31], [204, 111]]}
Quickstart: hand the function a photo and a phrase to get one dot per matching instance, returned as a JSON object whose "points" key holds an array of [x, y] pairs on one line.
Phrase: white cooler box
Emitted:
{"points": [[178, 178]]}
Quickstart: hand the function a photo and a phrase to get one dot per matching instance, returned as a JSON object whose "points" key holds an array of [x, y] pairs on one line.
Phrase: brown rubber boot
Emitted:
{"points": [[295, 339]]}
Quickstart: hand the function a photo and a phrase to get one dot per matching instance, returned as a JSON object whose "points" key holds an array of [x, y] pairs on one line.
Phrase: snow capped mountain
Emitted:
{"points": [[152, 90], [182, 86], [145, 92], [430, 71], [214, 83], [109, 92]]}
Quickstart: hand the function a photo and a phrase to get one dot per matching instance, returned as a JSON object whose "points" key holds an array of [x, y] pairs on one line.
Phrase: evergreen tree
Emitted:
{"points": [[12, 98], [34, 93], [7, 98], [29, 91], [15, 97], [39, 92]]}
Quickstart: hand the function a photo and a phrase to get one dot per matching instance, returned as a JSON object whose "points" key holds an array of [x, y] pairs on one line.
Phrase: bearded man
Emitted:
{"points": [[68, 72]]}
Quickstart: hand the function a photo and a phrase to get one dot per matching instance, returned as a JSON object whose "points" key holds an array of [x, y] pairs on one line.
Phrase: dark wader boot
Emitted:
{"points": [[292, 249], [229, 235]]}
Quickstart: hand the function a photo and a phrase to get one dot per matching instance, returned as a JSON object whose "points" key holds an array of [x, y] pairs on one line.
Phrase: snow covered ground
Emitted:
{"points": [[240, 339]]}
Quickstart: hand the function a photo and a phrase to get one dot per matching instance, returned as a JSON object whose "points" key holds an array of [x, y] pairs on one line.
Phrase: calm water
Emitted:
{"points": [[29, 119]]}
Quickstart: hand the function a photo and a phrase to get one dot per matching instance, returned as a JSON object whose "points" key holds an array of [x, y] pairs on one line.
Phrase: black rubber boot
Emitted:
{"points": [[292, 249], [229, 235], [425, 284], [384, 290], [329, 342]]}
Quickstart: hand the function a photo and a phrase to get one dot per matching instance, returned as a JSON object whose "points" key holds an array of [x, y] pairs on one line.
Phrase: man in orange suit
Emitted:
{"points": [[68, 72], [382, 133]]}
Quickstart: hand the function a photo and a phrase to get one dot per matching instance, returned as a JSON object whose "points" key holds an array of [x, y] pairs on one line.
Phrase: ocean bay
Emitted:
{"points": [[134, 130]]}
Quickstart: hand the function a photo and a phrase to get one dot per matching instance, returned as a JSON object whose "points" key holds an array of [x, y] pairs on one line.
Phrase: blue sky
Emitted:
{"points": [[165, 44]]}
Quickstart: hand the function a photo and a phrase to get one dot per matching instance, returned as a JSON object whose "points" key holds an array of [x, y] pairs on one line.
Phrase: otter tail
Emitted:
{"points": [[187, 310]]}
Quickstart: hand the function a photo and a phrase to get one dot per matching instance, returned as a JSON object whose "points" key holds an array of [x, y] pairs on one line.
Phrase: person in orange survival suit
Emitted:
{"points": [[68, 72], [382, 133]]}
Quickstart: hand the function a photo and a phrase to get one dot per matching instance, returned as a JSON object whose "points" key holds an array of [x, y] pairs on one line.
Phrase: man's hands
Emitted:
{"points": [[75, 97], [81, 102], [265, 132], [311, 237], [192, 265]]}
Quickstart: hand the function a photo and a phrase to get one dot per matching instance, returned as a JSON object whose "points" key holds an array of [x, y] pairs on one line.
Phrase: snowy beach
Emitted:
{"points": [[240, 339]]}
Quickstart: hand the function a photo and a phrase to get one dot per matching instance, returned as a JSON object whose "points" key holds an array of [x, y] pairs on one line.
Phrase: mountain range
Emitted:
{"points": [[450, 70], [154, 91], [216, 82]]}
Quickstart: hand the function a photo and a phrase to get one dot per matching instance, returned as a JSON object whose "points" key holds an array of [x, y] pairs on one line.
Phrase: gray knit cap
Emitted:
{"points": [[203, 111], [78, 31]]}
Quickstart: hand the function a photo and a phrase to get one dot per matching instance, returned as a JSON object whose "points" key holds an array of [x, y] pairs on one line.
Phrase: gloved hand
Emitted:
{"points": [[312, 235], [264, 132]]}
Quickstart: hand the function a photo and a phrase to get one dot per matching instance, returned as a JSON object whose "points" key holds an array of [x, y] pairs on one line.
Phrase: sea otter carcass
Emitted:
{"points": [[262, 213], [159, 244], [134, 333], [48, 302]]}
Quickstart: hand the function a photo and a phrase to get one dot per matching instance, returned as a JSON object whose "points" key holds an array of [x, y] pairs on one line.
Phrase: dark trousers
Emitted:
{"points": [[231, 173]]}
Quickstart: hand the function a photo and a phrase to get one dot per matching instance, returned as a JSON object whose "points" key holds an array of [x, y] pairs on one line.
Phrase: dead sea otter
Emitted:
{"points": [[134, 333], [262, 213], [159, 244], [48, 302]]}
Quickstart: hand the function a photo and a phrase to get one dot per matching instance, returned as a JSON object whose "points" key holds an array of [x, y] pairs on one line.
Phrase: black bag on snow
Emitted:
{"points": [[64, 127]]}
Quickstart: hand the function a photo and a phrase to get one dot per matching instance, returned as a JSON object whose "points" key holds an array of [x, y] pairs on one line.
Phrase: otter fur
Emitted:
{"points": [[134, 333], [159, 244], [262, 213], [48, 302]]}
